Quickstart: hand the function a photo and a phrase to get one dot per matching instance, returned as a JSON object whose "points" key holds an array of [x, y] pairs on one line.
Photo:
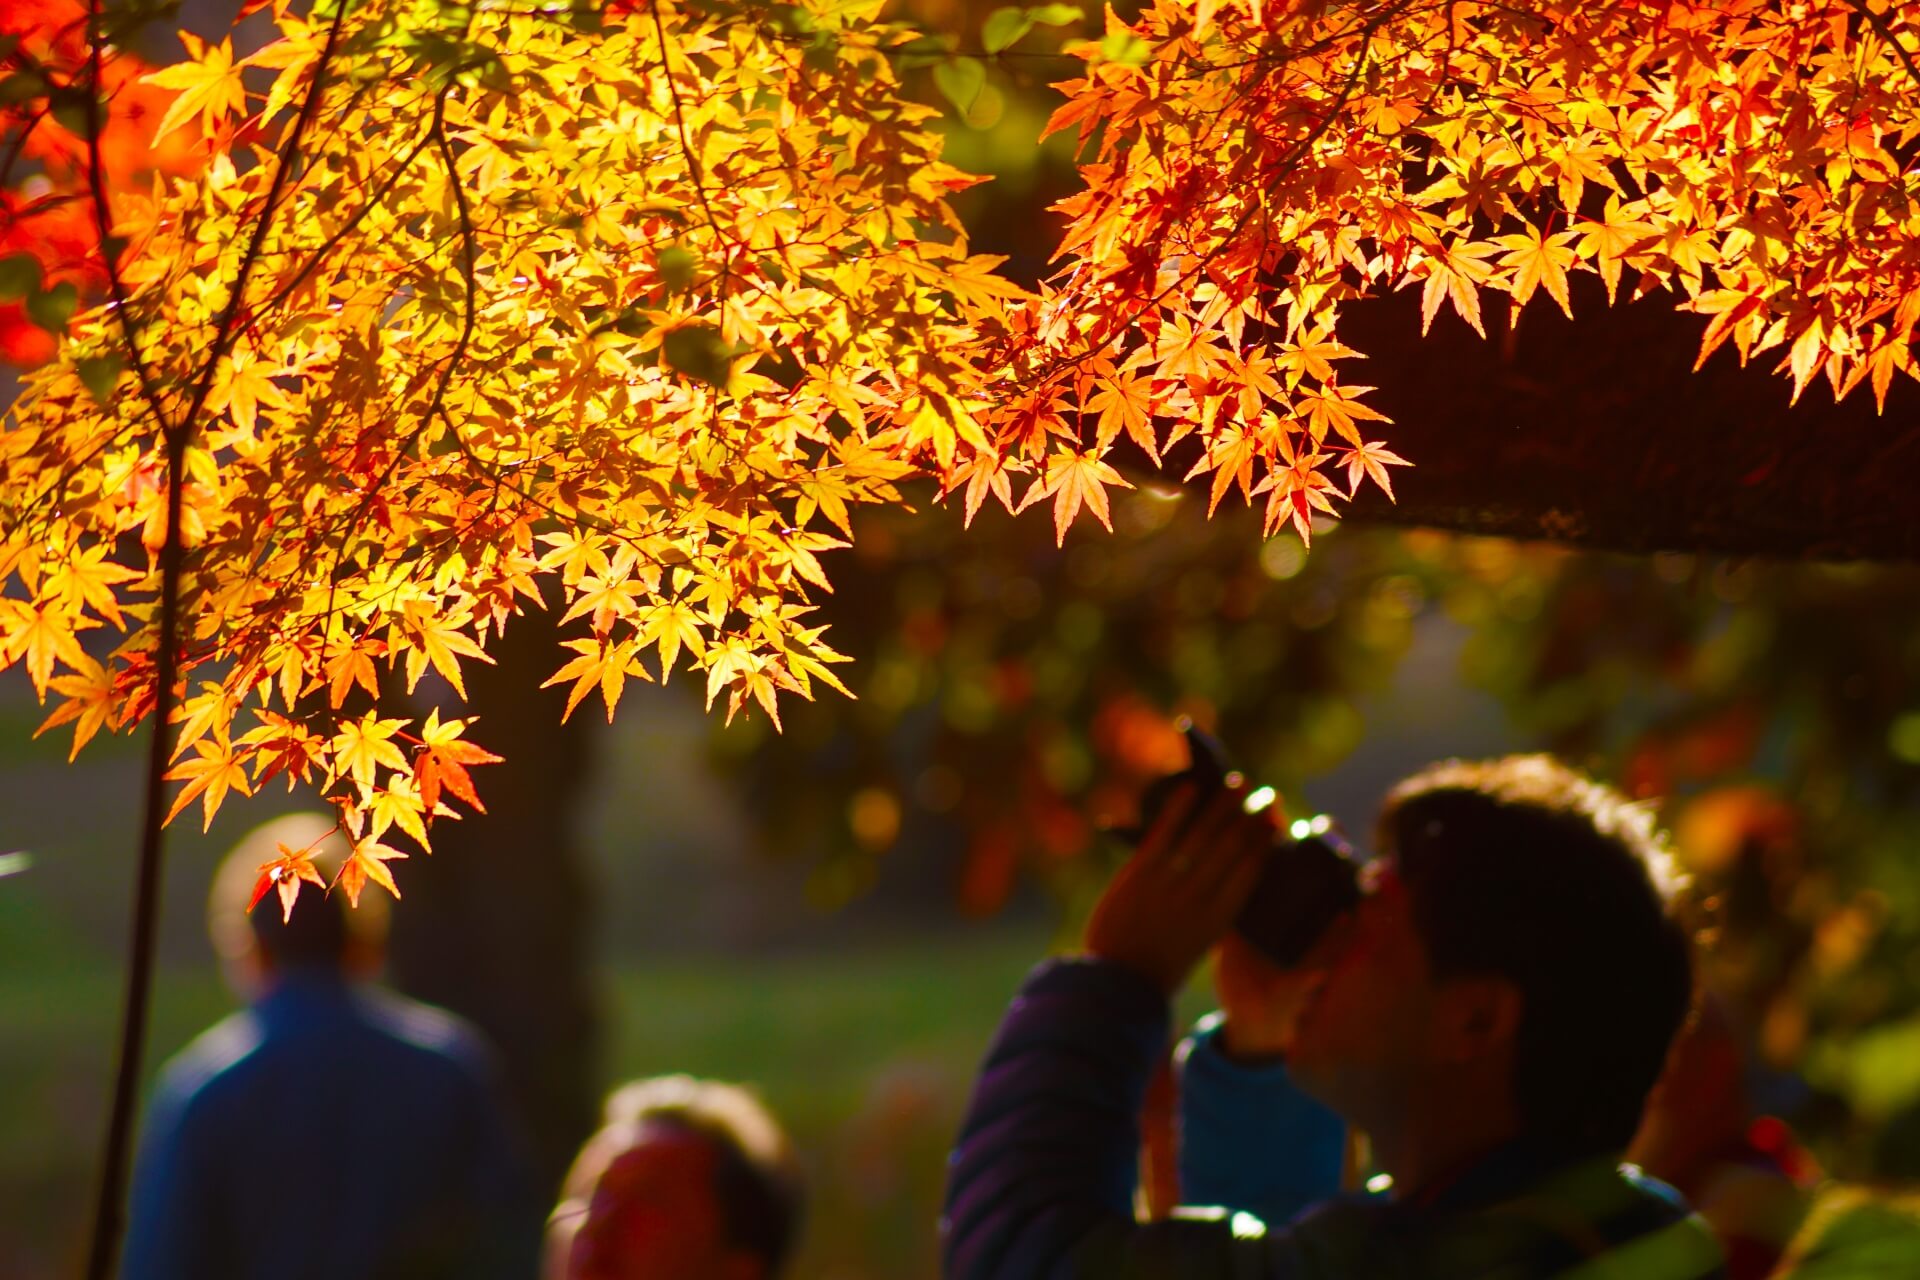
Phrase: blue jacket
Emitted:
{"points": [[330, 1132], [1041, 1181], [1250, 1140]]}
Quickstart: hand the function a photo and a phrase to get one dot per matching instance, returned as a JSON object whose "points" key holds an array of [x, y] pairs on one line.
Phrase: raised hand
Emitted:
{"points": [[1180, 891]]}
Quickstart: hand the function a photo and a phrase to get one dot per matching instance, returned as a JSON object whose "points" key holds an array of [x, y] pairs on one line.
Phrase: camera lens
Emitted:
{"points": [[1309, 879]]}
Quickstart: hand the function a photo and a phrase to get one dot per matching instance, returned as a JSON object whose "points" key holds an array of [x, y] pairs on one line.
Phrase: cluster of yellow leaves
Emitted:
{"points": [[637, 305], [1249, 167]]}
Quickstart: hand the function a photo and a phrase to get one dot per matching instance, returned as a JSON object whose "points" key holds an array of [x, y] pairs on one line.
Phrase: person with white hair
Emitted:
{"points": [[330, 1129]]}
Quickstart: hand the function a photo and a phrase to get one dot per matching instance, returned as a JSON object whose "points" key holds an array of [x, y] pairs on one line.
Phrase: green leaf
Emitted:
{"points": [[1057, 15], [585, 17], [698, 351], [677, 266], [52, 308], [1004, 28], [1126, 48], [100, 374], [630, 323], [923, 51], [961, 80], [20, 86], [19, 276], [796, 20], [69, 108]]}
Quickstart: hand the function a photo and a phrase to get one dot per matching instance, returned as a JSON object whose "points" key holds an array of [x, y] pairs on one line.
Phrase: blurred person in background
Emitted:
{"points": [[331, 1129], [688, 1180], [1226, 1103], [1492, 1015]]}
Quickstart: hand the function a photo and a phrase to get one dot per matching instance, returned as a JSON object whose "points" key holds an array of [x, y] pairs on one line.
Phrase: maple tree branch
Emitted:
{"points": [[103, 220], [470, 300], [1294, 155], [680, 127], [110, 1206], [289, 158], [110, 1203], [110, 1197], [15, 147], [352, 224], [436, 134], [1884, 29]]}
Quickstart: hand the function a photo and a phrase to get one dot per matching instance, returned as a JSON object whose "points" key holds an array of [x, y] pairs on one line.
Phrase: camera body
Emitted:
{"points": [[1310, 878]]}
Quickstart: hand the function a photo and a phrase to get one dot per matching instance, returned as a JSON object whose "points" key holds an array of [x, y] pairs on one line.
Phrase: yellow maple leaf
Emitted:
{"points": [[218, 769], [90, 703], [41, 634], [1074, 480], [1539, 261], [437, 640], [208, 83], [362, 746], [86, 576]]}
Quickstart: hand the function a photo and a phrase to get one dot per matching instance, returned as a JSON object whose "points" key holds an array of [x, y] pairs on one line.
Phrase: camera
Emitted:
{"points": [[1311, 874]]}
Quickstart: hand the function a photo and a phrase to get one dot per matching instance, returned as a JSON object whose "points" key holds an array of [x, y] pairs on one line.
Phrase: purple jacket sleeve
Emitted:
{"points": [[1041, 1181], [1048, 1148]]}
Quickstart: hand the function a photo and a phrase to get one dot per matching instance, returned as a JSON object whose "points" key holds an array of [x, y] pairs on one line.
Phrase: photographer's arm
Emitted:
{"points": [[1041, 1181]]}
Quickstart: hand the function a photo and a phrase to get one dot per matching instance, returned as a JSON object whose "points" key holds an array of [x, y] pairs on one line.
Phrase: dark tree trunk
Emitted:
{"points": [[496, 922]]}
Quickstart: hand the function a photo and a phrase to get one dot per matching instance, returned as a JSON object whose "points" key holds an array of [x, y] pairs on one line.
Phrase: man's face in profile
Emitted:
{"points": [[1364, 1034], [654, 1215]]}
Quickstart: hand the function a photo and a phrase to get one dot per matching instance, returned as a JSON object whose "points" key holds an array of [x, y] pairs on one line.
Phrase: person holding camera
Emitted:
{"points": [[1492, 1012]]}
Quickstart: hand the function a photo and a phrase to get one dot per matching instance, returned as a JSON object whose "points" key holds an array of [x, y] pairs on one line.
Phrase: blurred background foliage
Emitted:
{"points": [[839, 912]]}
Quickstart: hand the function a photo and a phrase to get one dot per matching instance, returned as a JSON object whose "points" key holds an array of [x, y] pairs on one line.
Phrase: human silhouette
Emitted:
{"points": [[331, 1129], [1492, 1015]]}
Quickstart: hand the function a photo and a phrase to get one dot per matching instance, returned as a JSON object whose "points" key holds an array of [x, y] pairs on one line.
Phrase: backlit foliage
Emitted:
{"points": [[48, 243], [641, 302], [520, 300], [1251, 167]]}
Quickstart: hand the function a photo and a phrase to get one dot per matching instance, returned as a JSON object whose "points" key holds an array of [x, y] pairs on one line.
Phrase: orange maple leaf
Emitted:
{"points": [[1074, 480], [284, 874], [441, 760], [369, 862]]}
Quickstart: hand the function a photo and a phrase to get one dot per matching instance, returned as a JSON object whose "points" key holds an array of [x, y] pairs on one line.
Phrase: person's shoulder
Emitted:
{"points": [[215, 1063], [1606, 1219], [214, 1055], [424, 1031], [1649, 1201]]}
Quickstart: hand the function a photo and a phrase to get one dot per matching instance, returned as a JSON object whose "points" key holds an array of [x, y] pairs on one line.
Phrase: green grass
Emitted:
{"points": [[867, 1056]]}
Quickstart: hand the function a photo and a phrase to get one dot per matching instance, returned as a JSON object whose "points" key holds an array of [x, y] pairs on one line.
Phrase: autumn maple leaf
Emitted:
{"points": [[217, 769], [1539, 261], [601, 664], [442, 759], [363, 745], [208, 83], [367, 862], [1454, 272], [285, 874], [1372, 460], [89, 703], [1073, 480]]}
